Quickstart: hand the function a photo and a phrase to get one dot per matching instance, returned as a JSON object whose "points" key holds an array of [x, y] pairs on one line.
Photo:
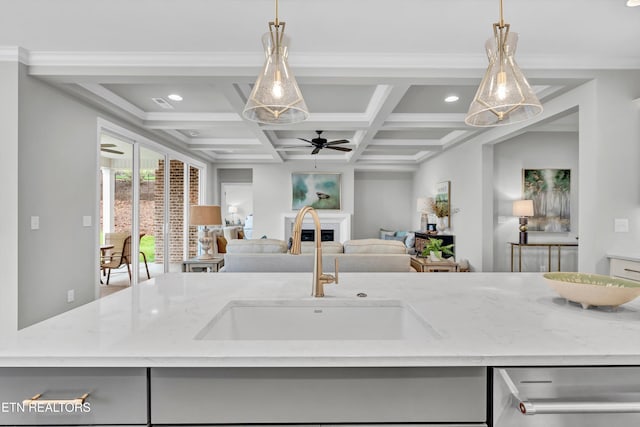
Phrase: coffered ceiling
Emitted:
{"points": [[373, 72]]}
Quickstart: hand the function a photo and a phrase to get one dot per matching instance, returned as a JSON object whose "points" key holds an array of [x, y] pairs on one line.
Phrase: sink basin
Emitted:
{"points": [[315, 320]]}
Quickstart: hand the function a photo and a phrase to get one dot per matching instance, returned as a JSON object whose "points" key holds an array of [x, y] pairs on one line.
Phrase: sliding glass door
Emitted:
{"points": [[146, 190]]}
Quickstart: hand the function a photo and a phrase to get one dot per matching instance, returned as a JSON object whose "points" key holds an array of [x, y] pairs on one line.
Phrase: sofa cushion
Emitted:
{"points": [[327, 247], [385, 232], [354, 263], [374, 246], [256, 246]]}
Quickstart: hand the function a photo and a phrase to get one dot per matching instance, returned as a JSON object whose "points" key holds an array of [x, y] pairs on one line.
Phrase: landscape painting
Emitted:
{"points": [[550, 190], [318, 190]]}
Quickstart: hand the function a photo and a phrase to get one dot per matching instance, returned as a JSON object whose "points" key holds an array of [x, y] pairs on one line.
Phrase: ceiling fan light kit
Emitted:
{"points": [[276, 97], [504, 95]]}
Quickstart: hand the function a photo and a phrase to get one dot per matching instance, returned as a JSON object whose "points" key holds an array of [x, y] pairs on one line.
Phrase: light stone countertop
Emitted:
{"points": [[474, 319], [626, 257]]}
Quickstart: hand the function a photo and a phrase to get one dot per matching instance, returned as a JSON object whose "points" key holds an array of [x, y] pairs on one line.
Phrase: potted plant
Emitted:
{"points": [[435, 249]]}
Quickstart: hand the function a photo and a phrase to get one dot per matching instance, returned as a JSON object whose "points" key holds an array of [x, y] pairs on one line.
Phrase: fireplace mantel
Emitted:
{"points": [[339, 222]]}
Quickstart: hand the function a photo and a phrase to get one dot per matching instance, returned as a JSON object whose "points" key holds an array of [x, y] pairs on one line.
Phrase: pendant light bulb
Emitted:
{"points": [[276, 97], [504, 95], [277, 90]]}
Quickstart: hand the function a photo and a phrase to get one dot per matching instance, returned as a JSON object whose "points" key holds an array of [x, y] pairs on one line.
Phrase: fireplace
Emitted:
{"points": [[337, 224], [308, 235]]}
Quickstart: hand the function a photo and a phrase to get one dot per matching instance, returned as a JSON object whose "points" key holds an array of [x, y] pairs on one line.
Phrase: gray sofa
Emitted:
{"points": [[270, 255]]}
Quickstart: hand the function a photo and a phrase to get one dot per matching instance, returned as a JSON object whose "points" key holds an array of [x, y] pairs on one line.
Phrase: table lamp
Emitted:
{"points": [[205, 215], [523, 209]]}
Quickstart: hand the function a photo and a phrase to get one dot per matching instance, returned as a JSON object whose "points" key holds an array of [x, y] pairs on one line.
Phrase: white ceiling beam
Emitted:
{"points": [[434, 143], [386, 99], [223, 142], [237, 99]]}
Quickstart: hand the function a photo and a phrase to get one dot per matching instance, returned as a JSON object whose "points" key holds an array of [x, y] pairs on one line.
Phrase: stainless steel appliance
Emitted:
{"points": [[566, 397]]}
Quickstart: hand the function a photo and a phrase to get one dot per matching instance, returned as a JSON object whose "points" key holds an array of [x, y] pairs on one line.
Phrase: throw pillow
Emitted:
{"points": [[410, 241], [385, 232], [401, 233], [222, 244], [398, 238]]}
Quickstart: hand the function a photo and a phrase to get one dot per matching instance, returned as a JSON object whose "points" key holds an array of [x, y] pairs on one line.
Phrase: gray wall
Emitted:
{"points": [[608, 183], [9, 196], [57, 170], [382, 200], [57, 181], [533, 150]]}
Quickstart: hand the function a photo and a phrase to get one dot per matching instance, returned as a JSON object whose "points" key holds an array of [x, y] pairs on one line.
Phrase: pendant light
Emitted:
{"points": [[276, 97], [504, 95]]}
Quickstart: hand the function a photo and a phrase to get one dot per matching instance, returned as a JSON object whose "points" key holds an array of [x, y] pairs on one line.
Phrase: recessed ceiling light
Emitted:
{"points": [[194, 133], [451, 98], [632, 3], [175, 97]]}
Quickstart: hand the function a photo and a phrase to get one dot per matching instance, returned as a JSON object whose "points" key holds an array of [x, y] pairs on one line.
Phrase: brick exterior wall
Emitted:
{"points": [[176, 210]]}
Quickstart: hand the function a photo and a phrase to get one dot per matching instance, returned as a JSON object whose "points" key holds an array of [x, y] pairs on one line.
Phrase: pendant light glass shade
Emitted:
{"points": [[504, 95], [276, 97]]}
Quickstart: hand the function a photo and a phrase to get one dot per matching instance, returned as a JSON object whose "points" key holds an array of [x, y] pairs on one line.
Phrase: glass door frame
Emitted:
{"points": [[138, 141]]}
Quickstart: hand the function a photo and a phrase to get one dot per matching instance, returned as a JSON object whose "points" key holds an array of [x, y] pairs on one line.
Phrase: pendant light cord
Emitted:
{"points": [[501, 14], [277, 21]]}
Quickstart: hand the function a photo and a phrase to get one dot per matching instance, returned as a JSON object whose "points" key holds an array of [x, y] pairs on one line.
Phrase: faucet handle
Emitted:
{"points": [[336, 270]]}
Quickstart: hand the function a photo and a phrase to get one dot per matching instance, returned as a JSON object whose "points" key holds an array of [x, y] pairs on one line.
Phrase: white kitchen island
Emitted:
{"points": [[472, 323]]}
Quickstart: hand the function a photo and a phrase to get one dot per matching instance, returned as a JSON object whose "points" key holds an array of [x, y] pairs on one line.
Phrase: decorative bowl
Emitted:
{"points": [[593, 289]]}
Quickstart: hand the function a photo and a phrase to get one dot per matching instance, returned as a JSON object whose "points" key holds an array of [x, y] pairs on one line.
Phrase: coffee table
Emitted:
{"points": [[425, 265], [207, 265]]}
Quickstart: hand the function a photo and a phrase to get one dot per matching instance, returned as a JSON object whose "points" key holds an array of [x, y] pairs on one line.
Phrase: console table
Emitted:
{"points": [[547, 245]]}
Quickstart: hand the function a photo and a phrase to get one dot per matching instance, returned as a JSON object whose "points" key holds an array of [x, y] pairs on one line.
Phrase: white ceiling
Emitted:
{"points": [[372, 72]]}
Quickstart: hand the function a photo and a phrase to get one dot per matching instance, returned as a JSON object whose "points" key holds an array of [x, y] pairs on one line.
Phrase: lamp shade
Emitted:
{"points": [[523, 208], [504, 95], [276, 97], [205, 215]]}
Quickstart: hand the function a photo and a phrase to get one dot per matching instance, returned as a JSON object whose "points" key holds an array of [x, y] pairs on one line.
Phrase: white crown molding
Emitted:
{"points": [[14, 54], [116, 100], [311, 61]]}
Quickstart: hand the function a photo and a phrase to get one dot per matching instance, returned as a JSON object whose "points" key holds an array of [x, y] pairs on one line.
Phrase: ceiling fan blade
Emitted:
{"points": [[305, 140], [340, 141], [108, 150], [315, 150], [339, 148]]}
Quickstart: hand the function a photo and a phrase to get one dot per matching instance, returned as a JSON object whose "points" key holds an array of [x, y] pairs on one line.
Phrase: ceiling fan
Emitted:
{"points": [[319, 143], [107, 148]]}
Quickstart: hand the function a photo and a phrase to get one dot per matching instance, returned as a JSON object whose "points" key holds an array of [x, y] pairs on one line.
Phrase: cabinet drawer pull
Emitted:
{"points": [[631, 270], [36, 399]]}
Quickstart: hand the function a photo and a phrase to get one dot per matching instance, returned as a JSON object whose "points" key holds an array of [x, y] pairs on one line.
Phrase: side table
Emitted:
{"points": [[425, 265], [198, 265]]}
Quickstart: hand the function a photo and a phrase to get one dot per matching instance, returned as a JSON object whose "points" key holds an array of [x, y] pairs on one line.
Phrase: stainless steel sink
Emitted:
{"points": [[317, 319]]}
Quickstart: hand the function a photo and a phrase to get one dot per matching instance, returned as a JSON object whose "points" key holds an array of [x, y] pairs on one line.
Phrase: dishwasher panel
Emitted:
{"points": [[566, 397]]}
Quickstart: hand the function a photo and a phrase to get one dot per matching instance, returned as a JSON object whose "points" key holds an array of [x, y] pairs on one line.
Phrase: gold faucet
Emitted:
{"points": [[319, 279]]}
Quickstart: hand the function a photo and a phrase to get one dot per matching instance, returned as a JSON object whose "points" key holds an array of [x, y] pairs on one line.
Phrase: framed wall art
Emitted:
{"points": [[550, 190], [442, 203], [318, 190]]}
